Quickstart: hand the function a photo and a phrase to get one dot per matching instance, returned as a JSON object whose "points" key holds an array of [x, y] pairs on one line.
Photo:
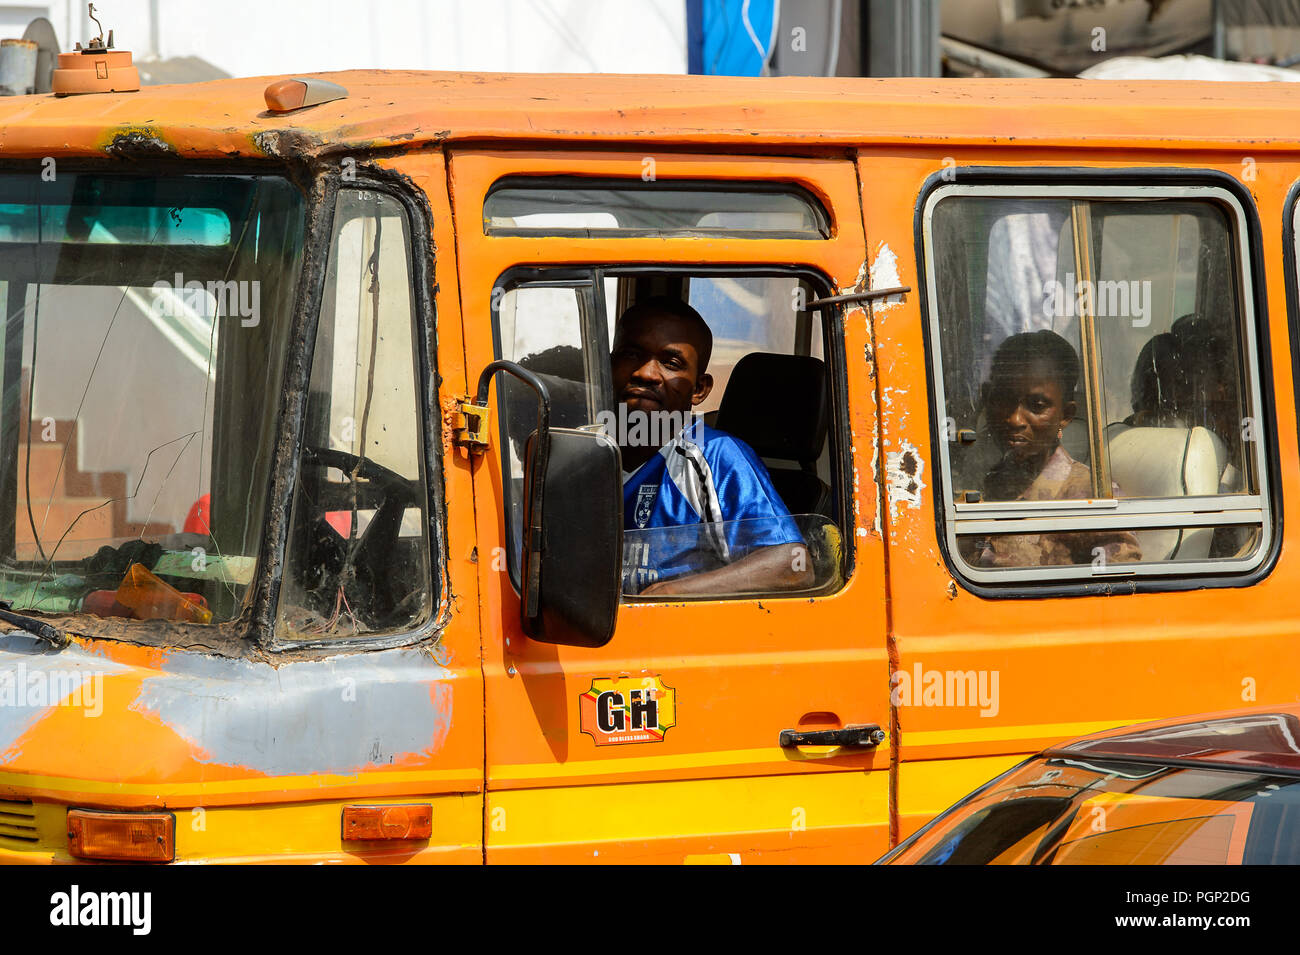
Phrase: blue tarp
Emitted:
{"points": [[729, 37]]}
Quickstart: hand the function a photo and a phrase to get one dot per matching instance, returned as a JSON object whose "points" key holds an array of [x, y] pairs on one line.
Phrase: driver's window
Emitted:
{"points": [[358, 560], [738, 495]]}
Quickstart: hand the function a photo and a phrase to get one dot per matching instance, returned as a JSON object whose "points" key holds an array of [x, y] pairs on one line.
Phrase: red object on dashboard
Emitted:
{"points": [[196, 522]]}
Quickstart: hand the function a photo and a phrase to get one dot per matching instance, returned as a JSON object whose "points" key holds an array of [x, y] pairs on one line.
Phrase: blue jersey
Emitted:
{"points": [[703, 501]]}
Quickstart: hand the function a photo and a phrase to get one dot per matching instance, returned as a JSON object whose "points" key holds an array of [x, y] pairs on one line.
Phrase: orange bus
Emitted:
{"points": [[295, 568]]}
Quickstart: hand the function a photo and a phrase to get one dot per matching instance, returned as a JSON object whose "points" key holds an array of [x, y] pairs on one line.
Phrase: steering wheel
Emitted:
{"points": [[363, 568]]}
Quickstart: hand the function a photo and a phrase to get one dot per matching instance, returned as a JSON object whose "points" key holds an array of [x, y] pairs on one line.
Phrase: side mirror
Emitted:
{"points": [[571, 573], [573, 537]]}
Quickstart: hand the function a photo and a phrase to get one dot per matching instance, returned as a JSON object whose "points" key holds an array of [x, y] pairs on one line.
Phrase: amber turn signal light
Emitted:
{"points": [[284, 96], [413, 823], [122, 836]]}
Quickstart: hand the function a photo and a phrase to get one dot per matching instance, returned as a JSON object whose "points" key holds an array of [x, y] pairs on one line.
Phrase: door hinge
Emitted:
{"points": [[471, 427]]}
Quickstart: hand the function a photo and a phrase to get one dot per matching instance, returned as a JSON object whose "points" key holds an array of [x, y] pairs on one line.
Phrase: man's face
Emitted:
{"points": [[1027, 411], [655, 364]]}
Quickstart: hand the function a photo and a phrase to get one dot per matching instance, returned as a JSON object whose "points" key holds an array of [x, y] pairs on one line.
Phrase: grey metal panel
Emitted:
{"points": [[807, 38], [902, 38]]}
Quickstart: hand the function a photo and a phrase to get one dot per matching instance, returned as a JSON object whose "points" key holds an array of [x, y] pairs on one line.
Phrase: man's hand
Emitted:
{"points": [[766, 570]]}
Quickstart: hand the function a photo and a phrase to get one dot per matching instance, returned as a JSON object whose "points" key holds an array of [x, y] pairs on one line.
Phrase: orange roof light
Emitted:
{"points": [[96, 69], [122, 836], [412, 823], [284, 96]]}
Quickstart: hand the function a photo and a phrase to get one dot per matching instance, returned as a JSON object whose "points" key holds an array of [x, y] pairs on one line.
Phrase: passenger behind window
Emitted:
{"points": [[1029, 399], [1157, 452], [1159, 385], [1183, 383], [1182, 379], [680, 473], [1211, 398]]}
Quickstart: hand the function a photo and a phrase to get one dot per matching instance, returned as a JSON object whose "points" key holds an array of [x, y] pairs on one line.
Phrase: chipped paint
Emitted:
{"points": [[338, 715], [903, 469], [450, 419], [323, 716], [287, 143], [136, 142], [860, 283], [857, 505], [884, 274]]}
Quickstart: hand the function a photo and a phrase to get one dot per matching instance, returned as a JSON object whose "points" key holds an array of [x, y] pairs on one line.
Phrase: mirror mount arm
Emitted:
{"points": [[472, 432], [475, 435], [524, 375]]}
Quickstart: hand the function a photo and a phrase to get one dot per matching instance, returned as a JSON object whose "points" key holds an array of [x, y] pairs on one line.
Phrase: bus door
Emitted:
{"points": [[743, 723]]}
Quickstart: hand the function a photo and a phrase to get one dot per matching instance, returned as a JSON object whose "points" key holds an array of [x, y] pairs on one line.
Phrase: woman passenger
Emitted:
{"points": [[1029, 399]]}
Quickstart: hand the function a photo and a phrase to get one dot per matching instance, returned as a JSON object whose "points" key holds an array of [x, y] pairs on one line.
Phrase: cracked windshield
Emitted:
{"points": [[140, 364]]}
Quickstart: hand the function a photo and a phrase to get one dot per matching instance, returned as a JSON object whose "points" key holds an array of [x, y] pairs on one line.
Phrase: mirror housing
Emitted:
{"points": [[573, 547], [572, 569]]}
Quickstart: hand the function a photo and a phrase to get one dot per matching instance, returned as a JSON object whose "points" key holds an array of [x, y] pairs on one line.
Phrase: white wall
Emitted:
{"points": [[260, 37]]}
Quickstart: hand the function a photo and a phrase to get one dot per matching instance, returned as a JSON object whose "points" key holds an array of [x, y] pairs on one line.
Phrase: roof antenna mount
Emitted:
{"points": [[96, 67], [97, 45]]}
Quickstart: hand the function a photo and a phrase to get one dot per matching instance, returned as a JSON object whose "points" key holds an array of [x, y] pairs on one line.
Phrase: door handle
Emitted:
{"points": [[866, 734]]}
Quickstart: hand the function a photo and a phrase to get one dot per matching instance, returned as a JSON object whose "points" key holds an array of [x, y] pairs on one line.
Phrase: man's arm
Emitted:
{"points": [[775, 568]]}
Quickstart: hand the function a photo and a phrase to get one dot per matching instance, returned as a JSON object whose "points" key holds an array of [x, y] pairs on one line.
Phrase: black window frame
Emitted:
{"points": [[421, 261]]}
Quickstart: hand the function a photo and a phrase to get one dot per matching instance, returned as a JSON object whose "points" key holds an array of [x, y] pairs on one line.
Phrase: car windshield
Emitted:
{"points": [[1097, 811], [146, 323]]}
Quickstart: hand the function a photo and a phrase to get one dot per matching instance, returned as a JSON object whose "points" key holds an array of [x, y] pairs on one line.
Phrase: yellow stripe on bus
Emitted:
{"points": [[631, 811]]}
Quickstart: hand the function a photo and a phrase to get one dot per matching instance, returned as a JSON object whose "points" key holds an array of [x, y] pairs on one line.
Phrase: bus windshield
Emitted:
{"points": [[146, 324]]}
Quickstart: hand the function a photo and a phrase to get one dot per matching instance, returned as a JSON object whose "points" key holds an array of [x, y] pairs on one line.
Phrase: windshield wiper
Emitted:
{"points": [[37, 628]]}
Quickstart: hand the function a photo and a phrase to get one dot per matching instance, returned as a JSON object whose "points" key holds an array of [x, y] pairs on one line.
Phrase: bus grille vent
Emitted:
{"points": [[17, 824]]}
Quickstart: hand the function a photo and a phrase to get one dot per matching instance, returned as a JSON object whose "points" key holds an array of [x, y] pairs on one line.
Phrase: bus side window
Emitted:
{"points": [[1095, 361]]}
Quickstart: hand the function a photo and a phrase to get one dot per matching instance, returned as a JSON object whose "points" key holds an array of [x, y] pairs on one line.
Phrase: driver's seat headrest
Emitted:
{"points": [[777, 405]]}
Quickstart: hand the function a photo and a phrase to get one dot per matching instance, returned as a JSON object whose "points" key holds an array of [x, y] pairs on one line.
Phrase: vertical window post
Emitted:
{"points": [[1085, 276]]}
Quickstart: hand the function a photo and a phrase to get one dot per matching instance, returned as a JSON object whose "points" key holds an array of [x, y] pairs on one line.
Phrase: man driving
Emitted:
{"points": [[736, 535]]}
